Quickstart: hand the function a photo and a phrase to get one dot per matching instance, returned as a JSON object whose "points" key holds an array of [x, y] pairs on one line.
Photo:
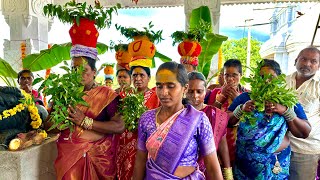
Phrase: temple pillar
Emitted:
{"points": [[214, 6], [27, 26]]}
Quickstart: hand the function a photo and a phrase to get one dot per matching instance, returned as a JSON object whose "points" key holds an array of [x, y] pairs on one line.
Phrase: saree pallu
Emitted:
{"points": [[126, 151], [82, 158], [256, 147], [219, 121], [168, 143]]}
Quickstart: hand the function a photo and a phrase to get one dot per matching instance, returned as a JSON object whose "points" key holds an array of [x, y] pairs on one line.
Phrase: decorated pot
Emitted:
{"points": [[108, 70], [189, 52], [142, 46], [123, 57], [189, 48], [85, 34]]}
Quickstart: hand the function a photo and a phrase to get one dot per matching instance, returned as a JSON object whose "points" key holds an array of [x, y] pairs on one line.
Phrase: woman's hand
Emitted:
{"points": [[248, 106], [271, 107], [225, 88], [75, 115], [232, 93]]}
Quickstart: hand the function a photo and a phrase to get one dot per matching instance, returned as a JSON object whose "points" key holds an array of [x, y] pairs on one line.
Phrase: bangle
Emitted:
{"points": [[227, 173], [238, 111], [289, 115], [82, 122], [87, 123]]}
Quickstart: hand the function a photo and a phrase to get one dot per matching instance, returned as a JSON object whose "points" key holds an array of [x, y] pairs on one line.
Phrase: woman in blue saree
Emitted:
{"points": [[263, 150], [171, 137]]}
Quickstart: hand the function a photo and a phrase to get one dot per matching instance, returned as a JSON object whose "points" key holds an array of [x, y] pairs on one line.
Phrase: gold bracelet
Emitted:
{"points": [[88, 122], [227, 173], [82, 122]]}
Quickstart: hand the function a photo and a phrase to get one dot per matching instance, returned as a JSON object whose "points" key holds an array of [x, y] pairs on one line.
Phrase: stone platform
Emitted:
{"points": [[33, 163]]}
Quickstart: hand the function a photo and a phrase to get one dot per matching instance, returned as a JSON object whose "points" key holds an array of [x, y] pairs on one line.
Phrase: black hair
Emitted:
{"points": [[91, 62], [233, 63], [106, 78], [197, 75], [25, 71], [272, 64], [146, 69], [178, 69], [127, 71]]}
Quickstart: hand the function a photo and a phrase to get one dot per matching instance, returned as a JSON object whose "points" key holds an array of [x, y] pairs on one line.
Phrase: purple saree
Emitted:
{"points": [[176, 142]]}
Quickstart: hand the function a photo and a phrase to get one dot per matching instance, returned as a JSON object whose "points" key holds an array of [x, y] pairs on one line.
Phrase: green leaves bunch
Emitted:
{"points": [[154, 36], [64, 90], [123, 47], [117, 47], [75, 11], [132, 107], [194, 34], [267, 88]]}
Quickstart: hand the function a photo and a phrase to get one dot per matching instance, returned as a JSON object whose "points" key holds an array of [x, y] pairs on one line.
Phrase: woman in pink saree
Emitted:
{"points": [[89, 153], [171, 137], [218, 119]]}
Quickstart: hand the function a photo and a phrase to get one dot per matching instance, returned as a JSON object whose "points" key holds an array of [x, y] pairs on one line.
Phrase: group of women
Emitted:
{"points": [[179, 139]]}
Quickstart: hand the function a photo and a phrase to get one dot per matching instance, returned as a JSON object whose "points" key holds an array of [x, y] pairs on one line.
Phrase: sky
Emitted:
{"points": [[168, 20]]}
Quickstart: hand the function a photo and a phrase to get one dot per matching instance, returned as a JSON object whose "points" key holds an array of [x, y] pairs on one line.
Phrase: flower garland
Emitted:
{"points": [[23, 50], [27, 102]]}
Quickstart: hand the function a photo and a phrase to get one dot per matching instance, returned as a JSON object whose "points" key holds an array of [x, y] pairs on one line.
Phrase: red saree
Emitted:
{"points": [[126, 151], [85, 159]]}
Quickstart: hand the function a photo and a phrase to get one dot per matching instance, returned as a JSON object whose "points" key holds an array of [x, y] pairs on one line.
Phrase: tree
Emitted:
{"points": [[237, 49]]}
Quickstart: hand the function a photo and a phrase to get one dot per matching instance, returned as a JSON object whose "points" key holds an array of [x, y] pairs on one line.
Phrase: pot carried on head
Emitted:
{"points": [[189, 52], [142, 51]]}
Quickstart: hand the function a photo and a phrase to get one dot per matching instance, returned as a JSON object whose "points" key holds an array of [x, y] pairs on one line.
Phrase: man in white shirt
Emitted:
{"points": [[306, 81]]}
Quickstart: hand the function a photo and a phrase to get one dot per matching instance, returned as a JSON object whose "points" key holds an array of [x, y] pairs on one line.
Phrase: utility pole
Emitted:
{"points": [[248, 46]]}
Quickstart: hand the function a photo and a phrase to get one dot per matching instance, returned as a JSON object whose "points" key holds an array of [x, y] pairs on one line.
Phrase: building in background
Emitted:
{"points": [[292, 29]]}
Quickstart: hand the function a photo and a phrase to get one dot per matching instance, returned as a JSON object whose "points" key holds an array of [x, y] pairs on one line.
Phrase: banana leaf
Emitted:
{"points": [[198, 14], [7, 74], [6, 70], [49, 58], [160, 56], [210, 46], [211, 42]]}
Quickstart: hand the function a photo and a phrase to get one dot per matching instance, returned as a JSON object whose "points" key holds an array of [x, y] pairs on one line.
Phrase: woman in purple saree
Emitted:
{"points": [[171, 137]]}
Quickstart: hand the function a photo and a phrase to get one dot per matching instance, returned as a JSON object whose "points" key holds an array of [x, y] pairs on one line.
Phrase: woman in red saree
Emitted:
{"points": [[89, 153], [172, 137], [126, 152], [223, 97], [218, 119]]}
